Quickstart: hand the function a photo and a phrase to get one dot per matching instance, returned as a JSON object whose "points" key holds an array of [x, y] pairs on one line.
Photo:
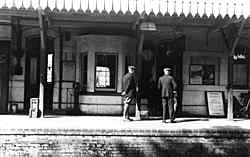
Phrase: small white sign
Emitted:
{"points": [[34, 102]]}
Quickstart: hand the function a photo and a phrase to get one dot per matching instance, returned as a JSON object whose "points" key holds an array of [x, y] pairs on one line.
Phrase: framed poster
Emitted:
{"points": [[195, 74], [215, 102]]}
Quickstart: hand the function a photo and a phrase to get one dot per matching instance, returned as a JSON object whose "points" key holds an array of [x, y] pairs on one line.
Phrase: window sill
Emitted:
{"points": [[105, 90], [240, 87], [111, 93]]}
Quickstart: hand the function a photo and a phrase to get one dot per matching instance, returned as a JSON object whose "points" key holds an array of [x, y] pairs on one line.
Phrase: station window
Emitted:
{"points": [[240, 68], [50, 68], [240, 74], [204, 70], [202, 74], [105, 72]]}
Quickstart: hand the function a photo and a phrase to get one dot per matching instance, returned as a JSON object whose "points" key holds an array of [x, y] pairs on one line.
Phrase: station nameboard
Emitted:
{"points": [[215, 102]]}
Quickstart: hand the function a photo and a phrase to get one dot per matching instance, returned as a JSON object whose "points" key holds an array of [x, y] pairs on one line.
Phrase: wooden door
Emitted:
{"points": [[32, 71], [4, 48]]}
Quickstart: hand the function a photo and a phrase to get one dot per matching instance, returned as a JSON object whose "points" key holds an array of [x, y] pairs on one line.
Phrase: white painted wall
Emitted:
{"points": [[91, 44], [193, 98], [207, 47]]}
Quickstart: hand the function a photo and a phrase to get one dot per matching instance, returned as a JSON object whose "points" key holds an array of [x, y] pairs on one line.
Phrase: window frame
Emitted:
{"points": [[202, 66], [97, 89]]}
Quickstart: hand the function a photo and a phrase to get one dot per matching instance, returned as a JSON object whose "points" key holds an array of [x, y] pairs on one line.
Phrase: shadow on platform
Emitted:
{"points": [[191, 119], [177, 120]]}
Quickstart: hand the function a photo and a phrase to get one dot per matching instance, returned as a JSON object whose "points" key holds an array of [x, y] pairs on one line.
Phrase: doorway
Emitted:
{"points": [[170, 55], [32, 73], [4, 51]]}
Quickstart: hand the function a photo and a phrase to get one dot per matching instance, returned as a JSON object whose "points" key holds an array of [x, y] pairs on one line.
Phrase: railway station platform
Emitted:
{"points": [[106, 136]]}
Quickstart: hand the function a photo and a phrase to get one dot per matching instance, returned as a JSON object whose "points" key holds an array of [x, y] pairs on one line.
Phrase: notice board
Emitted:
{"points": [[215, 102]]}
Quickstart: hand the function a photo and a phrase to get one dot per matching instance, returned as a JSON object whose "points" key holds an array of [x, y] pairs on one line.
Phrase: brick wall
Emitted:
{"points": [[124, 143]]}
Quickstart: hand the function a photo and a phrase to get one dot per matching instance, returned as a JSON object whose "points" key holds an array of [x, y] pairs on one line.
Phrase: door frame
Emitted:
{"points": [[178, 46], [27, 71], [50, 50]]}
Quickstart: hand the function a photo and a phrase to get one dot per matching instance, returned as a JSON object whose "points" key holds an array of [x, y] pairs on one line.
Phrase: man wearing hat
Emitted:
{"points": [[167, 86], [130, 88]]}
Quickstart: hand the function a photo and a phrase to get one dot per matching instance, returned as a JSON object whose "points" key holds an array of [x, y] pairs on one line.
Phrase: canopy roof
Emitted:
{"points": [[112, 17], [201, 9]]}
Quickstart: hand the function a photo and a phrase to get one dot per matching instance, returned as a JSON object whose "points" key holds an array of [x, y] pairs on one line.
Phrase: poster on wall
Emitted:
{"points": [[208, 77], [195, 74], [202, 74], [215, 102]]}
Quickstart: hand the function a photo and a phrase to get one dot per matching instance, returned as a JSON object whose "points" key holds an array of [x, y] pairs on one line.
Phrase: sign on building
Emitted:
{"points": [[34, 108], [215, 102]]}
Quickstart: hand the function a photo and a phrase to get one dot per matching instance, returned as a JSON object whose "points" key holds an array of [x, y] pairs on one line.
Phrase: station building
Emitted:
{"points": [[87, 54]]}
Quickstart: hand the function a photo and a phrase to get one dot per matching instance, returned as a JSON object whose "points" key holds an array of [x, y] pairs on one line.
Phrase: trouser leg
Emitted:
{"points": [[125, 110], [164, 108], [171, 109]]}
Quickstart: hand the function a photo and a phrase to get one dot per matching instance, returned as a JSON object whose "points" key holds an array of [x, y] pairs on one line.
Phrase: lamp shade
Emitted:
{"points": [[148, 26]]}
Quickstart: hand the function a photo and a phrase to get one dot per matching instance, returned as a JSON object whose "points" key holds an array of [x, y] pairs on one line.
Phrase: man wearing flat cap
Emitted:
{"points": [[167, 86], [129, 85]]}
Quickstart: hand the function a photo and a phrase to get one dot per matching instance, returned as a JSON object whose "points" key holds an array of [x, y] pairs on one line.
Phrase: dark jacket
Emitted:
{"points": [[129, 84], [167, 85]]}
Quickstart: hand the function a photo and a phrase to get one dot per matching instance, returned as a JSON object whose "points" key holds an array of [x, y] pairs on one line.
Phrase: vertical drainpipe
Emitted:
{"points": [[9, 86], [60, 67], [229, 89], [43, 56]]}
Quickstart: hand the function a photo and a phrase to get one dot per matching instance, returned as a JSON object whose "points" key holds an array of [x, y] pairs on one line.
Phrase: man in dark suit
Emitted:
{"points": [[130, 88], [167, 86]]}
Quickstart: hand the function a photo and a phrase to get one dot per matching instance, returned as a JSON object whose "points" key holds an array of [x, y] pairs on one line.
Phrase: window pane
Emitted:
{"points": [[102, 76], [84, 69], [106, 71], [208, 75], [240, 74], [33, 70], [50, 68]]}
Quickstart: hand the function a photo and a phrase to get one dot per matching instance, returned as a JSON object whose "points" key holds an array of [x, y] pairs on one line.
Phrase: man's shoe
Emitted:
{"points": [[172, 121], [137, 118], [164, 121], [127, 119]]}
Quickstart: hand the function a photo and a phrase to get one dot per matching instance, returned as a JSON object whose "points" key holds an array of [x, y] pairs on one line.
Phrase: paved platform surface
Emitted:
{"points": [[108, 136], [109, 125]]}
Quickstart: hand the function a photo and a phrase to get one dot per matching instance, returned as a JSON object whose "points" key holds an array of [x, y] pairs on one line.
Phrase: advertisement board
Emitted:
{"points": [[215, 102]]}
